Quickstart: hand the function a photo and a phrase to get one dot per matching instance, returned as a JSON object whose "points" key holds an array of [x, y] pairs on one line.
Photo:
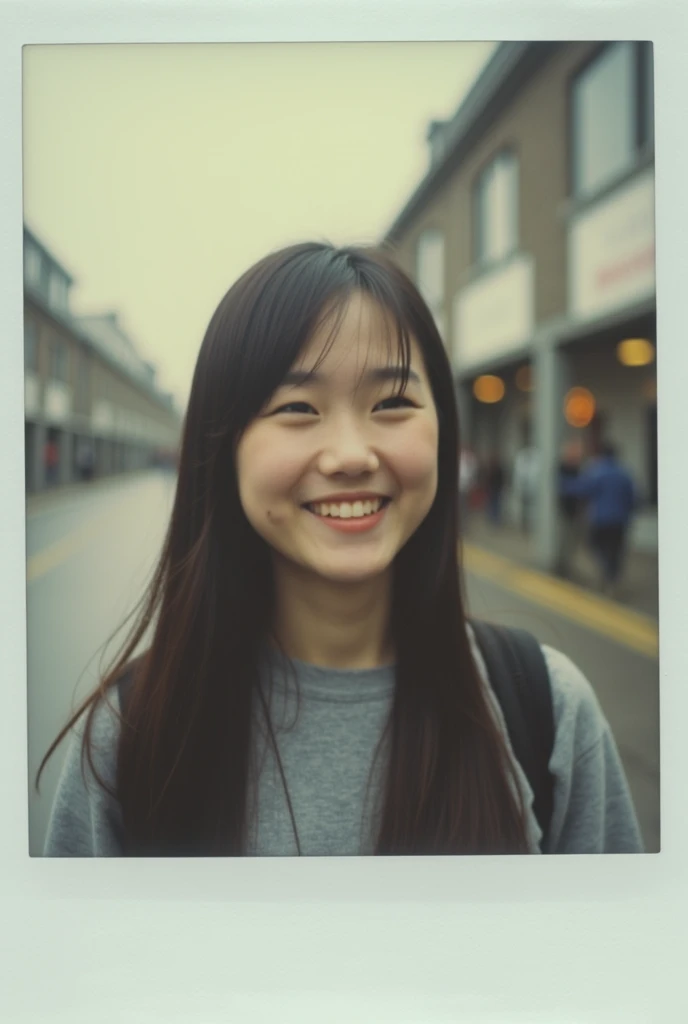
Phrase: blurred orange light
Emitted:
{"points": [[489, 389], [524, 378], [579, 407], [635, 352]]}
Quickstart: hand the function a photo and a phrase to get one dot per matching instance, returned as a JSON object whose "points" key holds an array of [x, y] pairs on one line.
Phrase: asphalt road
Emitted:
{"points": [[90, 553], [625, 681]]}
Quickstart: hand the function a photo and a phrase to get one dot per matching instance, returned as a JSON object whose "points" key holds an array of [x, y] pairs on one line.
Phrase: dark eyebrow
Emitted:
{"points": [[299, 378]]}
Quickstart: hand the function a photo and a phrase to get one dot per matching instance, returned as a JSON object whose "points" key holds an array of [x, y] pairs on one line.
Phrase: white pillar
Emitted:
{"points": [[552, 374]]}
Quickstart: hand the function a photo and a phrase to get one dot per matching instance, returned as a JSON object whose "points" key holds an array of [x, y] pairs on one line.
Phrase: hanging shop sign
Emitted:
{"points": [[612, 251], [494, 314]]}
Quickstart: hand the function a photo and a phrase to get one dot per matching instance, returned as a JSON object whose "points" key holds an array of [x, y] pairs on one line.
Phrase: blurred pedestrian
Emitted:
{"points": [[468, 472], [610, 492], [313, 685], [570, 507], [495, 478], [526, 476]]}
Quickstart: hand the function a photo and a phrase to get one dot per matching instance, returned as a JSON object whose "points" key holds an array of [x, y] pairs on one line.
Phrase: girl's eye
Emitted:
{"points": [[395, 402], [299, 407]]}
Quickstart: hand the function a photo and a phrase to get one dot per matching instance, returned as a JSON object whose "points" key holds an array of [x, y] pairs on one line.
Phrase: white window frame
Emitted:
{"points": [[32, 264], [430, 267], [57, 290], [488, 192], [635, 104]]}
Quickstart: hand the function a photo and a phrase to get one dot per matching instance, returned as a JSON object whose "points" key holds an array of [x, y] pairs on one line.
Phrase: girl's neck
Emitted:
{"points": [[334, 625]]}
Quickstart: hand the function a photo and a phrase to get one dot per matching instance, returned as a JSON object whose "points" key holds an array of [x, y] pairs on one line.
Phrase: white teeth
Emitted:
{"points": [[345, 509]]}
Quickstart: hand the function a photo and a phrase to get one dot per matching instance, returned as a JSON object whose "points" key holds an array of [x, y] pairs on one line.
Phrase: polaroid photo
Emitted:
{"points": [[338, 517]]}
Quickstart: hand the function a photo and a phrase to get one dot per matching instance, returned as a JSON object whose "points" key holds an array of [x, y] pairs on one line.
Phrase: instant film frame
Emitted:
{"points": [[500, 940], [101, 180]]}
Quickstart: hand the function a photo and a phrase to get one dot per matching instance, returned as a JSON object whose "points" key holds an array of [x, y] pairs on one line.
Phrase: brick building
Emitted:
{"points": [[89, 399], [531, 237]]}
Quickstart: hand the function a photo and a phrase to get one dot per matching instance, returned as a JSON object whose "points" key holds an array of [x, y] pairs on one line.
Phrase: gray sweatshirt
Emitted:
{"points": [[328, 753]]}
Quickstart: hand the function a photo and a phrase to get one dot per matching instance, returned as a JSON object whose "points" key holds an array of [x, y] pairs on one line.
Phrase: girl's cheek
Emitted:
{"points": [[415, 456], [272, 467]]}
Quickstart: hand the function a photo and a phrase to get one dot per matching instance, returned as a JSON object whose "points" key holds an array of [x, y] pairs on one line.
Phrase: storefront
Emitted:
{"points": [[492, 337]]}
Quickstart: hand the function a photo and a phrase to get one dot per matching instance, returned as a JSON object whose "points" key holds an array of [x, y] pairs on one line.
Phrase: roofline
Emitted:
{"points": [[509, 68], [53, 259], [78, 333]]}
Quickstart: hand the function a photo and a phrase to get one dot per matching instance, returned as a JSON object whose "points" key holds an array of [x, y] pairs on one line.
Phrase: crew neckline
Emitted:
{"points": [[324, 683]]}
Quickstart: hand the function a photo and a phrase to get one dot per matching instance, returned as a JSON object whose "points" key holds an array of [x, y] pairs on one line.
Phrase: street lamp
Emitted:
{"points": [[635, 352], [579, 407], [489, 389]]}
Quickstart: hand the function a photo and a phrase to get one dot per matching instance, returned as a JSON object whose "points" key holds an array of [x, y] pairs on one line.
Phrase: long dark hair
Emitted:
{"points": [[184, 754]]}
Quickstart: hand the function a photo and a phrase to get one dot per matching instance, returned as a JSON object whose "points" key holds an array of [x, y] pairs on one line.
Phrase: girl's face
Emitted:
{"points": [[336, 473]]}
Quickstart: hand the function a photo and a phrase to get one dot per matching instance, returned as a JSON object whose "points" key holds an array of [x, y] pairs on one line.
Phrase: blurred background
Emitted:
{"points": [[513, 181]]}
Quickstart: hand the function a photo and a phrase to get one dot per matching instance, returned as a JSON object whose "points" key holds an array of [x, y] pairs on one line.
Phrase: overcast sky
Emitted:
{"points": [[157, 174]]}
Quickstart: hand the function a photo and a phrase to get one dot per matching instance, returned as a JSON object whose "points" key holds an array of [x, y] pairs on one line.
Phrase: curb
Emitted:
{"points": [[631, 628]]}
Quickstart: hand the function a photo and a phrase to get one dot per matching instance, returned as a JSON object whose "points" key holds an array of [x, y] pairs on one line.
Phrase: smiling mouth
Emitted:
{"points": [[347, 509]]}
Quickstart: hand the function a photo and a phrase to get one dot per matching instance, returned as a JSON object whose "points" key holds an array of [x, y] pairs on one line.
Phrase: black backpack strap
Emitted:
{"points": [[520, 680]]}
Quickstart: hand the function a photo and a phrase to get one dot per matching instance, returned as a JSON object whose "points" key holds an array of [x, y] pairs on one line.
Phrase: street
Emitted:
{"points": [[90, 553], [626, 681]]}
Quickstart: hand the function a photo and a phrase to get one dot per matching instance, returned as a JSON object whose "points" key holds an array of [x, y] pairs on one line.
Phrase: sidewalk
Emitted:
{"points": [[639, 588], [55, 496]]}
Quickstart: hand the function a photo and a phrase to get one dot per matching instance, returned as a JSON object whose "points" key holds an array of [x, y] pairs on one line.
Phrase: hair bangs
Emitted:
{"points": [[388, 326]]}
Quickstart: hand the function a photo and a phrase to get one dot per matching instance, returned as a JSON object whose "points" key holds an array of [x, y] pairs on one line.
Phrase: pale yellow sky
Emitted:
{"points": [[159, 173]]}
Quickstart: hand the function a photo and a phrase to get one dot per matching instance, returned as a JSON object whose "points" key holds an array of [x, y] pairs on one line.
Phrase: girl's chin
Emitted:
{"points": [[348, 573]]}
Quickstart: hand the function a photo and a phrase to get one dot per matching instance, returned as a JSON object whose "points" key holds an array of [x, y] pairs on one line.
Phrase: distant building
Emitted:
{"points": [[91, 404], [532, 239]]}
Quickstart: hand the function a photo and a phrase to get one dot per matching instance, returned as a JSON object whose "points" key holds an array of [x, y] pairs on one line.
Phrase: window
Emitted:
{"points": [[30, 346], [430, 274], [83, 379], [57, 291], [612, 115], [496, 210], [32, 264], [430, 268], [59, 361]]}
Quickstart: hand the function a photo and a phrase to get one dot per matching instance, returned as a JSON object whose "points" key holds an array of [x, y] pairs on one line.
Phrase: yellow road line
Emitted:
{"points": [[639, 632], [55, 554], [623, 625]]}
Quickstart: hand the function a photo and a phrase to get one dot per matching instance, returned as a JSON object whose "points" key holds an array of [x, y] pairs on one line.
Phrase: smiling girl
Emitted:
{"points": [[312, 685]]}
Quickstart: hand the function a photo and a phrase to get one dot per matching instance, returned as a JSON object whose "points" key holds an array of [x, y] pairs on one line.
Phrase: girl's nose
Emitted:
{"points": [[347, 452]]}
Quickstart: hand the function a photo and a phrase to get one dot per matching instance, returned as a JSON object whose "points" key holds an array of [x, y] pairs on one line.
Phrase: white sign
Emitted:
{"points": [[58, 401], [612, 251], [31, 395], [494, 314]]}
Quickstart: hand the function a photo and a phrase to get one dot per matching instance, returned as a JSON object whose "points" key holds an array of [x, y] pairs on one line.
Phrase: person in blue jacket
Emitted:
{"points": [[611, 497]]}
